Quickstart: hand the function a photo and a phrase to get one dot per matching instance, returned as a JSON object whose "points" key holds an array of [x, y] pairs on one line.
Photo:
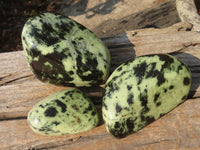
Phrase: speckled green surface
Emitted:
{"points": [[142, 90], [65, 112], [61, 51]]}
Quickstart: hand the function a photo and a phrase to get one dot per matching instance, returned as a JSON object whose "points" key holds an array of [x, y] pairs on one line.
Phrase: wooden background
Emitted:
{"points": [[179, 129]]}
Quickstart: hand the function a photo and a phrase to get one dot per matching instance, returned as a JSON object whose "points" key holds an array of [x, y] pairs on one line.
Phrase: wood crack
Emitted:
{"points": [[3, 83], [156, 142], [185, 46]]}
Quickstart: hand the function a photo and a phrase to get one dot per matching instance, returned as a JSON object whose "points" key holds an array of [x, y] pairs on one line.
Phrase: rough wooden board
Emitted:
{"points": [[160, 16], [188, 12], [19, 91], [179, 129], [92, 13]]}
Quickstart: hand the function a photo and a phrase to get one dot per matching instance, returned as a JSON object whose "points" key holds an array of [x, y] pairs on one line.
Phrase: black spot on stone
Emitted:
{"points": [[63, 97], [50, 112], [180, 68], [130, 124], [156, 96], [186, 81], [140, 71], [138, 88], [35, 53], [160, 79], [118, 108], [71, 72], [93, 113], [51, 74], [100, 54], [145, 110], [69, 93], [150, 119], [41, 106], [117, 125], [90, 64], [112, 86], [130, 99], [129, 87], [117, 131], [56, 123], [119, 69], [87, 109], [50, 34], [158, 104], [80, 38], [45, 35], [165, 90], [123, 128], [147, 119], [171, 87], [61, 105], [41, 21], [64, 27], [143, 99], [152, 72], [168, 60], [184, 97]]}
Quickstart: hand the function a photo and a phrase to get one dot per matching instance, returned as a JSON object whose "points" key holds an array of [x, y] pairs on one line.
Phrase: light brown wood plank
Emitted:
{"points": [[179, 129]]}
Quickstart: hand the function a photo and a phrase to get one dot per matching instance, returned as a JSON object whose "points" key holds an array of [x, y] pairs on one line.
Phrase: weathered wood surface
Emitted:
{"points": [[188, 12], [179, 129], [160, 16], [92, 13]]}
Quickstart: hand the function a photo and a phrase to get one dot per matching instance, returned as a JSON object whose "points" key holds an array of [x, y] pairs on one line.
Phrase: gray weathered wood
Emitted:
{"points": [[159, 16], [179, 129]]}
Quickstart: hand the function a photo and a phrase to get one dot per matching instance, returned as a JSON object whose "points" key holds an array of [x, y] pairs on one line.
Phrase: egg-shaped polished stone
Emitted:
{"points": [[62, 51], [64, 112], [142, 90]]}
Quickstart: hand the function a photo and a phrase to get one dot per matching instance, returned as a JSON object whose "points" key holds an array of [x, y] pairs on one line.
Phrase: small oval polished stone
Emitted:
{"points": [[65, 112], [142, 90], [63, 52]]}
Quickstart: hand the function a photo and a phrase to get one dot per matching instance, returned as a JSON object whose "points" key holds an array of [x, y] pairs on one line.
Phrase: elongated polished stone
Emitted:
{"points": [[64, 112], [142, 90]]}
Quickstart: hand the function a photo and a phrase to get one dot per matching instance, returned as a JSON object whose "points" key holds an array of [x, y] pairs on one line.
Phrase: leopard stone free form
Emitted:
{"points": [[64, 112], [142, 90], [62, 51]]}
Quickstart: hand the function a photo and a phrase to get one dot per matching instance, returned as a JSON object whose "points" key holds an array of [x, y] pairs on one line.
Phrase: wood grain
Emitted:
{"points": [[179, 129], [159, 16]]}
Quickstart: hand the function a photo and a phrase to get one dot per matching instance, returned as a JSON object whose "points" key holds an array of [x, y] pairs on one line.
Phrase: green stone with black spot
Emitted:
{"points": [[65, 112], [142, 90], [63, 52]]}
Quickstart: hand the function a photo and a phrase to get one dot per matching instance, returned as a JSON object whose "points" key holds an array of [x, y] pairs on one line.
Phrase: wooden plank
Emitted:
{"points": [[159, 16], [179, 129]]}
